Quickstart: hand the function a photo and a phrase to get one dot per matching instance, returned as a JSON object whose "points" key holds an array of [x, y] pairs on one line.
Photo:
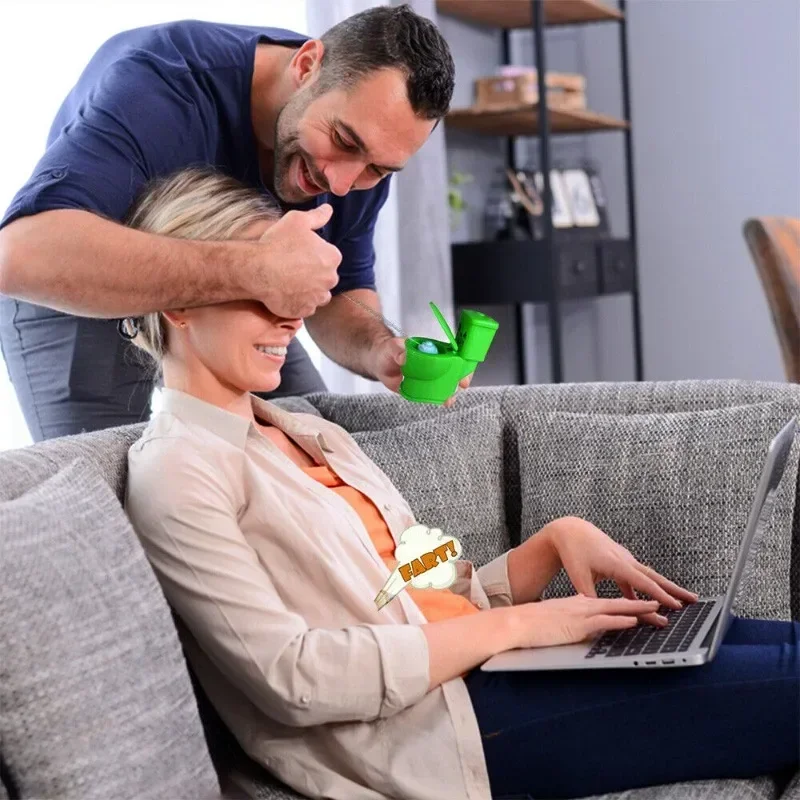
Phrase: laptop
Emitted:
{"points": [[694, 632]]}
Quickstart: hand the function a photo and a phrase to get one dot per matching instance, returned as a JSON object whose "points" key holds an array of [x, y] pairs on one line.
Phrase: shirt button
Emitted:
{"points": [[387, 507], [305, 699], [58, 173]]}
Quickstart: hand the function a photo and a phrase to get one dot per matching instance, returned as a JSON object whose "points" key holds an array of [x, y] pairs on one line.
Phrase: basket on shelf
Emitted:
{"points": [[515, 87]]}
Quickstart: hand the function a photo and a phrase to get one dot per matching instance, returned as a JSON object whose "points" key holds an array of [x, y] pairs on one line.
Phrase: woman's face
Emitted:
{"points": [[241, 343]]}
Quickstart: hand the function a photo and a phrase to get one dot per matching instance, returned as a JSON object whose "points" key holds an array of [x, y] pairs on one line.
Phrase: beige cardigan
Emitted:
{"points": [[274, 578]]}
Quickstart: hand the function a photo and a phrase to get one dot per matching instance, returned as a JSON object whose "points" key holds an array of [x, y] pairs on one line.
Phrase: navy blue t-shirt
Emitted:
{"points": [[159, 99]]}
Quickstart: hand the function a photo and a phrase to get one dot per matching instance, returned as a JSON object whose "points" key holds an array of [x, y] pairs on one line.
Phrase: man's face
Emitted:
{"points": [[341, 141]]}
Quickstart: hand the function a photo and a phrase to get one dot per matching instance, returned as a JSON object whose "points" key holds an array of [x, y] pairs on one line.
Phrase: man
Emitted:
{"points": [[321, 124]]}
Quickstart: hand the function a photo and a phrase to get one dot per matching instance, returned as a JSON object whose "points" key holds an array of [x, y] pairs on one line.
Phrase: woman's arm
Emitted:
{"points": [[532, 565], [185, 514], [457, 645], [519, 575]]}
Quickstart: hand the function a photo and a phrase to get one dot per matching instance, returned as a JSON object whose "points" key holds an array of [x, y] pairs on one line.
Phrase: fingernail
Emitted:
{"points": [[662, 619]]}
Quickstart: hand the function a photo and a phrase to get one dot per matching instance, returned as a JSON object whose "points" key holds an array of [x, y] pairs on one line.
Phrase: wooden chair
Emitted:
{"points": [[774, 244]]}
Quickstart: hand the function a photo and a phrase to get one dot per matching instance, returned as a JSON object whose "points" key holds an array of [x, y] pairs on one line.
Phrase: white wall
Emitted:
{"points": [[716, 128], [43, 48], [717, 136]]}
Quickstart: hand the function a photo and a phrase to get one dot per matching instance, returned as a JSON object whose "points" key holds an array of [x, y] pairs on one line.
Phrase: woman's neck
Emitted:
{"points": [[208, 388]]}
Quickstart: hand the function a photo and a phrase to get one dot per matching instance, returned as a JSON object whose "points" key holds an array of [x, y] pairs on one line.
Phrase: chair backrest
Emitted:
{"points": [[774, 244]]}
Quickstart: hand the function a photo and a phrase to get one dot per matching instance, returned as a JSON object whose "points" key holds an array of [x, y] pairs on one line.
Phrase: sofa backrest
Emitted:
{"points": [[375, 412], [364, 415], [21, 470]]}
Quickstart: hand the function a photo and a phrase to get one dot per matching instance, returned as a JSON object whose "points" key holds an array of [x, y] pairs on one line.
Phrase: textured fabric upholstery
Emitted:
{"points": [[375, 412], [675, 489], [792, 791], [22, 470], [492, 409], [107, 450], [639, 398], [96, 701], [759, 789], [460, 490]]}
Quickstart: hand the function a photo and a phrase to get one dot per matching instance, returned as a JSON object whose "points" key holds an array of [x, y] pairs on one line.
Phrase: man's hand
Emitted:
{"points": [[295, 268], [462, 384], [588, 555], [387, 358]]}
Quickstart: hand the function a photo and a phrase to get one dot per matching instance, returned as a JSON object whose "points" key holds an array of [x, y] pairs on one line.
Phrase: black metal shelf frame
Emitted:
{"points": [[551, 290]]}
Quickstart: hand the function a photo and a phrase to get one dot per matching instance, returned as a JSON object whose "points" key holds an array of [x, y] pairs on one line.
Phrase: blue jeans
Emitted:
{"points": [[568, 734]]}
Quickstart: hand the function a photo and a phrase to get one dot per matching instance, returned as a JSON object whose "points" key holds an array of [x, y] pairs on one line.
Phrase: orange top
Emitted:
{"points": [[435, 604]]}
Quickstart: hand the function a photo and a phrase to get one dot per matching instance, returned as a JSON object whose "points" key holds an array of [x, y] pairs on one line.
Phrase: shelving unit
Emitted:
{"points": [[519, 14], [546, 270], [524, 121]]}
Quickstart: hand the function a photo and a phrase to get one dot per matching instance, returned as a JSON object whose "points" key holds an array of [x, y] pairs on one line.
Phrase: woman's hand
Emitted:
{"points": [[589, 555], [566, 620], [458, 644]]}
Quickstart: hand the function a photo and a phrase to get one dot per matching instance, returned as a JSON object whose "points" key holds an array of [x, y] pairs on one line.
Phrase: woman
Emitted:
{"points": [[271, 534]]}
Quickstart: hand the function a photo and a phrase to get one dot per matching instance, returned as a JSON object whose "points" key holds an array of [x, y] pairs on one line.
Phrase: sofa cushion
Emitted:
{"points": [[375, 412], [22, 470], [450, 470], [647, 397], [96, 698], [675, 489], [792, 790], [756, 789]]}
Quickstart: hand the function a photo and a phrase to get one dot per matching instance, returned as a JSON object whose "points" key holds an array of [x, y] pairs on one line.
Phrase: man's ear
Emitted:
{"points": [[306, 62]]}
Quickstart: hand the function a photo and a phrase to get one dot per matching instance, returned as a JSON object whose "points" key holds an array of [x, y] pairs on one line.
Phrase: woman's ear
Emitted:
{"points": [[175, 318]]}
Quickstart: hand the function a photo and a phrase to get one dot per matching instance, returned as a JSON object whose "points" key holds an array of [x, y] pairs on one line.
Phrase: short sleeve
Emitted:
{"points": [[141, 120], [357, 270]]}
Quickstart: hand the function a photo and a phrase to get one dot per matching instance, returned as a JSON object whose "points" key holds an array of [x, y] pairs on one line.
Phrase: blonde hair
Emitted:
{"points": [[195, 203]]}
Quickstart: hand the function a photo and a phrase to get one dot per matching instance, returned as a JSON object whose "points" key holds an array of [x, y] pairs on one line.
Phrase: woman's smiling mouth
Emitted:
{"points": [[271, 351]]}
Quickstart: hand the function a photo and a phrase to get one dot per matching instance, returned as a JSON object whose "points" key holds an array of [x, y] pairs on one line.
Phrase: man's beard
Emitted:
{"points": [[286, 148]]}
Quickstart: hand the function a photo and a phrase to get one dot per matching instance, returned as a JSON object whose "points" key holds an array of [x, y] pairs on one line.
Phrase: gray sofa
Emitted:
{"points": [[96, 700]]}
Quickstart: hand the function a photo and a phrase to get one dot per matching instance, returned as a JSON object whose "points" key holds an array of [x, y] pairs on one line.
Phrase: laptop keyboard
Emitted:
{"points": [[646, 639]]}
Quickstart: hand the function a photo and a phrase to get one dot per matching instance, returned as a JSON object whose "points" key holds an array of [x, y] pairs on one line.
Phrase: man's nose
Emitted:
{"points": [[341, 177]]}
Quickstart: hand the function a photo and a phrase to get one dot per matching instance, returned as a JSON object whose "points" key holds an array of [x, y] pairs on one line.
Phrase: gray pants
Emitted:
{"points": [[75, 374]]}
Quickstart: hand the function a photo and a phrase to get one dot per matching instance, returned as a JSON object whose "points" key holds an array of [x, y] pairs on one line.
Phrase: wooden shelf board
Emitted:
{"points": [[524, 121], [517, 13]]}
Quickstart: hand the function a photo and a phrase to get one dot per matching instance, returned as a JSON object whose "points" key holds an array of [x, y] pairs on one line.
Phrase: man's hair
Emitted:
{"points": [[385, 38]]}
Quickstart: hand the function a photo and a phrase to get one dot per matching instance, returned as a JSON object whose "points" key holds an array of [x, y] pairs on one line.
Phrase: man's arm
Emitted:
{"points": [[63, 244], [347, 333], [77, 262]]}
